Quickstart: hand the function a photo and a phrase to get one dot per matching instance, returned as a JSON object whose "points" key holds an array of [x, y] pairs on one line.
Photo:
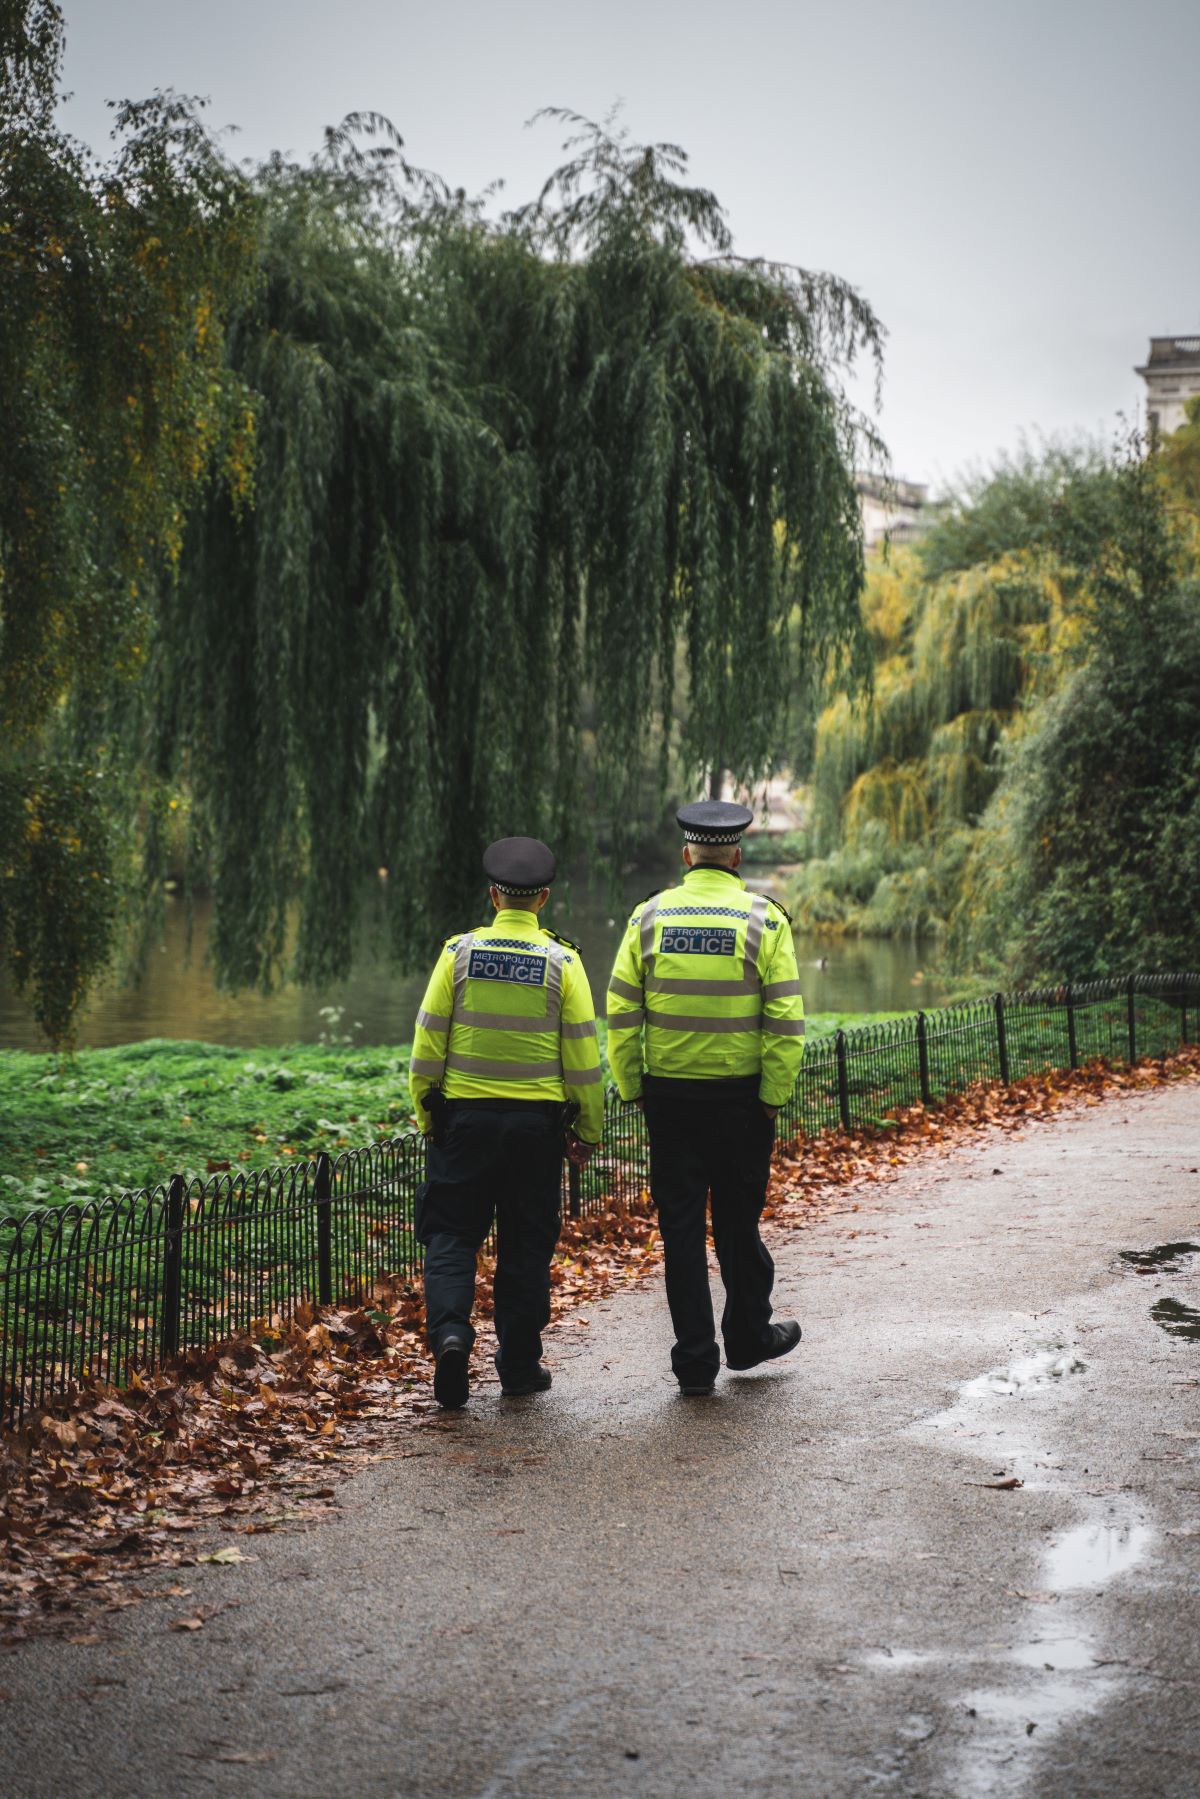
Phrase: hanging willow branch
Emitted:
{"points": [[511, 475], [507, 472]]}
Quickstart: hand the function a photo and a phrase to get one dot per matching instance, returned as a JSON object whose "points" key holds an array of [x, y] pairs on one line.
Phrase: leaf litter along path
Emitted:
{"points": [[249, 1438], [801, 1585]]}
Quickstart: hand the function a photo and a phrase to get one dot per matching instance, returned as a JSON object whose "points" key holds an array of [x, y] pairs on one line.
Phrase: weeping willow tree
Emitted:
{"points": [[507, 468], [115, 282], [969, 630]]}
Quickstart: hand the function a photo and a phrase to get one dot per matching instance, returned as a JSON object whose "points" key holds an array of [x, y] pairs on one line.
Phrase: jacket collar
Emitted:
{"points": [[513, 919], [696, 875]]}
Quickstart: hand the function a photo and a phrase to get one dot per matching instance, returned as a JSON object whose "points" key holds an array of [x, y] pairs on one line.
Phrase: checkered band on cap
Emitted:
{"points": [[692, 835], [519, 892]]}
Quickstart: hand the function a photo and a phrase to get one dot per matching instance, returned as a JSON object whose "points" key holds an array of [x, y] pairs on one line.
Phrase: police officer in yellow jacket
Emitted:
{"points": [[706, 1032], [506, 1065]]}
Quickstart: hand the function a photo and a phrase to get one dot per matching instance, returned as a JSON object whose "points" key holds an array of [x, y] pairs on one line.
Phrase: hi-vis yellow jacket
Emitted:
{"points": [[508, 1014], [704, 987]]}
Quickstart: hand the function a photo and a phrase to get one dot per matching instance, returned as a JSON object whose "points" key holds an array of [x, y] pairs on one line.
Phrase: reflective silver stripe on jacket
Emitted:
{"points": [[500, 1021], [582, 1077], [690, 1021], [432, 1021], [625, 989], [781, 989], [554, 974], [681, 984], [754, 931], [623, 1021], [428, 1067], [584, 1028], [493, 1069], [462, 961], [646, 933], [784, 1027]]}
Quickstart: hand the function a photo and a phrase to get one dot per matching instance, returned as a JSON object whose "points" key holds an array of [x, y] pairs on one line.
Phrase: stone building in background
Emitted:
{"points": [[890, 509], [1172, 376]]}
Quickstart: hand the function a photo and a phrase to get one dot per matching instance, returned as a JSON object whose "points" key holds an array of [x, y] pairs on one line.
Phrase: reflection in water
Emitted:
{"points": [[176, 997], [1174, 1316], [1093, 1554], [1050, 1653], [1163, 1259]]}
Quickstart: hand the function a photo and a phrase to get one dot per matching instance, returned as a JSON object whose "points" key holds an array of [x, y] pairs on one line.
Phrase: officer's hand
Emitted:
{"points": [[769, 1110], [579, 1152]]}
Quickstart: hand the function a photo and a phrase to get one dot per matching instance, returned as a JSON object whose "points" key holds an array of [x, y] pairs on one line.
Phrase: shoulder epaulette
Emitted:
{"points": [[779, 906], [646, 897], [455, 935], [566, 942]]}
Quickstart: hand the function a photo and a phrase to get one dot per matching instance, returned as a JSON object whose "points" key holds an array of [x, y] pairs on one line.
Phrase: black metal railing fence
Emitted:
{"points": [[99, 1290]]}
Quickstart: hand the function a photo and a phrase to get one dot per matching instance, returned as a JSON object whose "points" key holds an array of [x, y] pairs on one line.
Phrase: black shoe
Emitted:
{"points": [[451, 1385], [534, 1380], [696, 1389], [783, 1338]]}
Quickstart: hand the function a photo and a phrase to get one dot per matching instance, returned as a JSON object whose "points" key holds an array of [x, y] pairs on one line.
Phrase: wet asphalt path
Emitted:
{"points": [[802, 1586]]}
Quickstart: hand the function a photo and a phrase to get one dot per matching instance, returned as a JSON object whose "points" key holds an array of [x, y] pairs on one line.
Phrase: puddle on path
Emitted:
{"points": [[1051, 1680], [898, 1658], [1061, 1675], [1041, 1367], [1168, 1258], [1044, 1705], [1092, 1554], [1012, 1438], [1052, 1655], [1163, 1259], [1173, 1316], [1018, 1696]]}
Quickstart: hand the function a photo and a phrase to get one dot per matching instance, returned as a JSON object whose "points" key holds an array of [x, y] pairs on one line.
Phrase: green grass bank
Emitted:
{"points": [[108, 1119]]}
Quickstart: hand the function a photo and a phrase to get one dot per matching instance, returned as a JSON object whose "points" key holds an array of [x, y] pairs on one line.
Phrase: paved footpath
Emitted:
{"points": [[805, 1585]]}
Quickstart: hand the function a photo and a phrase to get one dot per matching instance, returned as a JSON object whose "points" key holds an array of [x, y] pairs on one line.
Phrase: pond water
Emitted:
{"points": [[176, 996]]}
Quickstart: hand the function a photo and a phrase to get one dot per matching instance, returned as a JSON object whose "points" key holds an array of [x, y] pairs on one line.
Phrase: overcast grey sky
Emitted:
{"points": [[1012, 184]]}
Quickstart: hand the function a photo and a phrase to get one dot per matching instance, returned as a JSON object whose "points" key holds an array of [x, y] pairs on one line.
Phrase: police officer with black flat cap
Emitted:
{"points": [[506, 1067], [706, 1033]]}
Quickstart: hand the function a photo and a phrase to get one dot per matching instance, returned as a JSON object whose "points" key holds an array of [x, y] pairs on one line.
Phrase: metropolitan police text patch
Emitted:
{"points": [[698, 940], [507, 965]]}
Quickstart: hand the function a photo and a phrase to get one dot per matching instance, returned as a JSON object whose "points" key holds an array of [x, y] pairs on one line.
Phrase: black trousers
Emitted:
{"points": [[707, 1137], [504, 1163]]}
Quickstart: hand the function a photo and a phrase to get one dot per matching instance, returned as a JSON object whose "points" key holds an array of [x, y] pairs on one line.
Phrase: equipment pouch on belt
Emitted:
{"points": [[435, 1104]]}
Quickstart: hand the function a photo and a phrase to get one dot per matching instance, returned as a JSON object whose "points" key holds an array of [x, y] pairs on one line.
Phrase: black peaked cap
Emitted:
{"points": [[520, 865], [713, 821]]}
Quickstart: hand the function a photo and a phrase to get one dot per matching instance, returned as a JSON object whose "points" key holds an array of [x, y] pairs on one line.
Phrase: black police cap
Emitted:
{"points": [[521, 866], [713, 821]]}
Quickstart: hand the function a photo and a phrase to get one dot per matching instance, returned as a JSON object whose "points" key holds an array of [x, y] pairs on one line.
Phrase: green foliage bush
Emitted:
{"points": [[1024, 782], [761, 851], [1088, 860], [873, 887]]}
